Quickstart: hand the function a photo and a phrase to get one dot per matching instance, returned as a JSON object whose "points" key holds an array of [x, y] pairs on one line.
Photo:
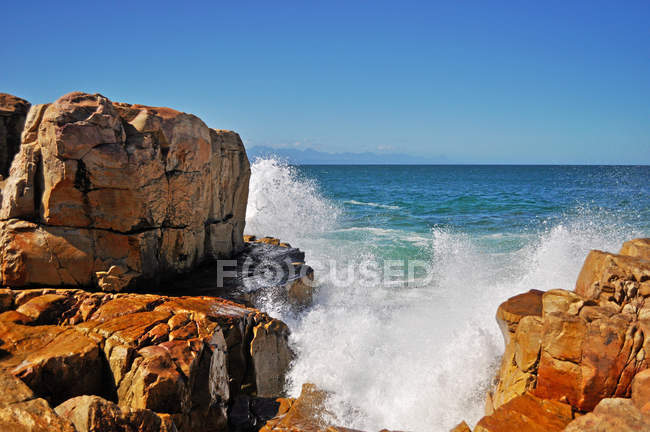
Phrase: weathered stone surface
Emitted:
{"points": [[641, 391], [57, 363], [34, 415], [610, 277], [301, 414], [527, 413], [95, 414], [514, 309], [587, 349], [21, 411], [639, 248], [612, 414], [13, 111], [181, 356], [270, 354], [111, 194], [461, 427]]}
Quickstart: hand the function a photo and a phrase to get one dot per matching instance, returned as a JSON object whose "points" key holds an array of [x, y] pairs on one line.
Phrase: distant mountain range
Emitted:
{"points": [[315, 157]]}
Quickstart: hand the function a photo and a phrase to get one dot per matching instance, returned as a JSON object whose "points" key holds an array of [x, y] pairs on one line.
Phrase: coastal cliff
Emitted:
{"points": [[110, 194]]}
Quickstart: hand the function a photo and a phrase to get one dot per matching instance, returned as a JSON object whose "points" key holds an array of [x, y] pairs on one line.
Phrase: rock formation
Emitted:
{"points": [[110, 194], [570, 353], [13, 112], [125, 359]]}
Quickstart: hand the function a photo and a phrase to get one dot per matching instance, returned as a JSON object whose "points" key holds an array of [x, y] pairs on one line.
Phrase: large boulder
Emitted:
{"points": [[110, 194]]}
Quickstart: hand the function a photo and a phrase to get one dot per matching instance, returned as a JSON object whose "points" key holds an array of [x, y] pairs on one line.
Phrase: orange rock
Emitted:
{"points": [[461, 427], [514, 309], [269, 240], [95, 414], [639, 248], [606, 276], [183, 356], [45, 308], [128, 193], [612, 414], [527, 413], [33, 415], [55, 362], [270, 353], [641, 391], [301, 414]]}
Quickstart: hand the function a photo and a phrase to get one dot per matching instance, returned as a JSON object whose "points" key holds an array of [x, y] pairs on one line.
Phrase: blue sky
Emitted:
{"points": [[475, 81]]}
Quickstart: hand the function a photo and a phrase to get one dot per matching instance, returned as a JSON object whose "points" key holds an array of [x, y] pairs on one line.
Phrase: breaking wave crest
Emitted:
{"points": [[411, 358]]}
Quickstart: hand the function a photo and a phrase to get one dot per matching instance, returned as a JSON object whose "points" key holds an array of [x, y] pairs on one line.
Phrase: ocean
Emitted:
{"points": [[417, 348]]}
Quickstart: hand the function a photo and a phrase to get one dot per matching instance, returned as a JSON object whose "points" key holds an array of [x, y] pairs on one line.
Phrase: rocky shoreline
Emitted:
{"points": [[130, 297], [576, 360]]}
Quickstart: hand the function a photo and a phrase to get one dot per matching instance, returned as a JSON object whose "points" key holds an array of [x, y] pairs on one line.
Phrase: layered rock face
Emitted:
{"points": [[13, 112], [133, 359], [110, 194], [574, 352]]}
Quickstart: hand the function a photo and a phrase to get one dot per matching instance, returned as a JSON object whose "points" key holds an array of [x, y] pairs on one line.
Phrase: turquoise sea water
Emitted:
{"points": [[420, 355]]}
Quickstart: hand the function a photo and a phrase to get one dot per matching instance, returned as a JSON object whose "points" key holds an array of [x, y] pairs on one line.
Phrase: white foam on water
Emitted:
{"points": [[372, 204], [417, 358]]}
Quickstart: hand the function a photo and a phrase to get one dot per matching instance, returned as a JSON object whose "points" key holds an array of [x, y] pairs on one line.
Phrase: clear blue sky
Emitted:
{"points": [[476, 81]]}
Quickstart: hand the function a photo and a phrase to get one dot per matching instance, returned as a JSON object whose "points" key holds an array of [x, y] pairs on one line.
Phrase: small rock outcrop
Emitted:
{"points": [[109, 194]]}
